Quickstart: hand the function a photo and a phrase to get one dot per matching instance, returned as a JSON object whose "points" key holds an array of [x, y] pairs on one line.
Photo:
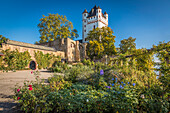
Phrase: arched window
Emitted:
{"points": [[94, 27]]}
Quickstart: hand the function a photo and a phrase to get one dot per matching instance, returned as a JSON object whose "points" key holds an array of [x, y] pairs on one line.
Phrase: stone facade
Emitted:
{"points": [[68, 49], [74, 51], [21, 47]]}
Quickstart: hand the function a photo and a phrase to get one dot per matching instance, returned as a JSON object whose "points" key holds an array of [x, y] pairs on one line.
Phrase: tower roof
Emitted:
{"points": [[105, 12], [95, 7], [93, 12], [85, 11], [99, 7]]}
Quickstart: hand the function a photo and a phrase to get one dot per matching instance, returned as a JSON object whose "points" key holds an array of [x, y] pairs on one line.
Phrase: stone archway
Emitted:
{"points": [[32, 65]]}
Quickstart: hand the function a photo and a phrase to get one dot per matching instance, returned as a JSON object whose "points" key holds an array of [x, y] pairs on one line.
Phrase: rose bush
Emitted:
{"points": [[97, 95]]}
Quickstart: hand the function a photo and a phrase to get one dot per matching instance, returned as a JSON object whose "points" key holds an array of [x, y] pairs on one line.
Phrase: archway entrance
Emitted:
{"points": [[32, 65]]}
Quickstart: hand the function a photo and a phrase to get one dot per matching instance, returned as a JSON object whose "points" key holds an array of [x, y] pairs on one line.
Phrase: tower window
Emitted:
{"points": [[84, 21], [94, 27], [84, 30], [84, 14], [84, 25]]}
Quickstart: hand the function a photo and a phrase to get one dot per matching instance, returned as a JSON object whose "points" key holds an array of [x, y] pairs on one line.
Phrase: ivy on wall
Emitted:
{"points": [[45, 60], [14, 60]]}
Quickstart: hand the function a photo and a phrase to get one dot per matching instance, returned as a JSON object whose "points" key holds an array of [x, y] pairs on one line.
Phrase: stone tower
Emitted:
{"points": [[95, 18]]}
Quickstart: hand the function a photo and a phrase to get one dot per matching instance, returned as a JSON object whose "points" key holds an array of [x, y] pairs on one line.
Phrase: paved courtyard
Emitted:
{"points": [[7, 85]]}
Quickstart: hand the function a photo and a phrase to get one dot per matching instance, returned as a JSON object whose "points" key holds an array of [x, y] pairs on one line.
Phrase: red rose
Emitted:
{"points": [[18, 90], [30, 88], [18, 98], [31, 72]]}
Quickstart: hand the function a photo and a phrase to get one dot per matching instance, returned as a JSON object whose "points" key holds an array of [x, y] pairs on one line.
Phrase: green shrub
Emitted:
{"points": [[98, 95], [78, 73]]}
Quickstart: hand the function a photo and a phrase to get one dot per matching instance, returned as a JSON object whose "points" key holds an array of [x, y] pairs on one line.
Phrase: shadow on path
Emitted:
{"points": [[46, 71], [9, 107]]}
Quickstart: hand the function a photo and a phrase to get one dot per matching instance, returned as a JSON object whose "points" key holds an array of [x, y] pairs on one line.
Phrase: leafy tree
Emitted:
{"points": [[2, 39], [74, 34], [101, 42], [127, 45], [162, 51], [55, 26]]}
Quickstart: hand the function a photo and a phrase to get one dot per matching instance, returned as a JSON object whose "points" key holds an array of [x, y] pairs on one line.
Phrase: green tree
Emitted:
{"points": [[74, 34], [55, 26], [2, 39], [127, 45], [162, 51], [101, 43]]}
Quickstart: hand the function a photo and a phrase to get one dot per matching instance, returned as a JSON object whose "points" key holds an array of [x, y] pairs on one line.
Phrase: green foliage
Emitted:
{"points": [[2, 40], [116, 96], [101, 43], [59, 67], [162, 51], [88, 62], [15, 60], [57, 82], [78, 73], [127, 45], [45, 60], [55, 26]]}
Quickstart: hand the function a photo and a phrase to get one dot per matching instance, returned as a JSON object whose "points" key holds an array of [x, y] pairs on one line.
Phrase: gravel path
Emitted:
{"points": [[7, 85]]}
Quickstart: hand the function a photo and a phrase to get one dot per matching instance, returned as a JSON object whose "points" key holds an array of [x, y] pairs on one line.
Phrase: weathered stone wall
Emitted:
{"points": [[31, 48], [69, 46]]}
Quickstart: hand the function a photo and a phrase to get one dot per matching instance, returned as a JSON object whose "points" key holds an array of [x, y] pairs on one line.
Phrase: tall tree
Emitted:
{"points": [[101, 42], [127, 45], [55, 26]]}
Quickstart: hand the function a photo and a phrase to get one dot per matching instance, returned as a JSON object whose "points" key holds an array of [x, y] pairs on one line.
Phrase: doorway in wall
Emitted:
{"points": [[32, 65]]}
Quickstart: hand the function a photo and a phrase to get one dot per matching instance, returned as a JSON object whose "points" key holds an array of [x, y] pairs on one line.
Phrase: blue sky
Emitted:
{"points": [[146, 20]]}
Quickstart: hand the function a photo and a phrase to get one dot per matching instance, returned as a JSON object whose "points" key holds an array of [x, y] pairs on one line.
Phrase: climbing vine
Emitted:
{"points": [[45, 60], [14, 60]]}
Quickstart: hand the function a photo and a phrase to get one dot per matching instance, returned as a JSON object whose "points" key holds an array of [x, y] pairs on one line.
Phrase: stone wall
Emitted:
{"points": [[31, 48], [74, 51]]}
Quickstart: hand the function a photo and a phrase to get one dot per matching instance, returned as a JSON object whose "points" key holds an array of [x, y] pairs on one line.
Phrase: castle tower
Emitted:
{"points": [[95, 18]]}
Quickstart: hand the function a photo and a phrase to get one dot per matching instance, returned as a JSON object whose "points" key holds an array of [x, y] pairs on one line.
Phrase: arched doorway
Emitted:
{"points": [[32, 65]]}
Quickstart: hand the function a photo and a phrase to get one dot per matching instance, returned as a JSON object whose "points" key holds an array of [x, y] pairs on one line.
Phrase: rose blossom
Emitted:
{"points": [[30, 88], [18, 90]]}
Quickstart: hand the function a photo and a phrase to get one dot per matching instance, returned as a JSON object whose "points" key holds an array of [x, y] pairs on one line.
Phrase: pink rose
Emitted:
{"points": [[30, 88], [18, 98], [18, 90], [31, 72]]}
